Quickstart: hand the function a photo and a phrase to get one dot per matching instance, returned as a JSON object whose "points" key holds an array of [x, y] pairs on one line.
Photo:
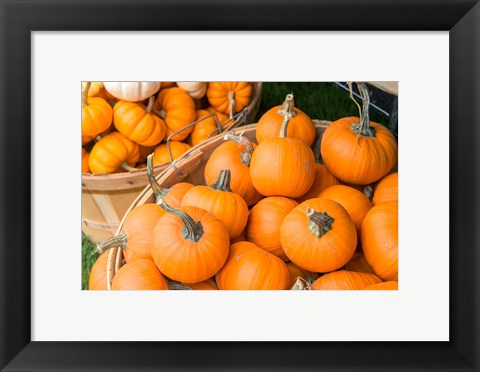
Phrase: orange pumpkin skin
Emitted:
{"points": [[204, 129], [318, 235], [358, 263], [177, 109], [206, 285], [111, 151], [220, 94], [140, 274], [264, 221], [385, 286], [175, 194], [386, 190], [249, 267], [98, 275], [298, 272], [97, 116], [355, 202], [345, 280], [136, 122], [300, 125], [358, 159], [85, 155], [380, 240], [222, 118], [162, 156], [323, 179], [229, 207], [194, 257], [234, 154]]}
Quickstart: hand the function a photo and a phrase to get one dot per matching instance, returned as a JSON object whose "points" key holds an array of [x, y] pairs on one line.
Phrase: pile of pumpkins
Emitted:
{"points": [[287, 212], [123, 122]]}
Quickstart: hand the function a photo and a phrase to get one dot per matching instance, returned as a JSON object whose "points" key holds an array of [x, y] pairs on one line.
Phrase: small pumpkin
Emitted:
{"points": [[356, 150], [203, 129], [385, 286], [359, 263], [112, 151], [345, 280], [300, 125], [380, 240], [229, 97], [195, 89], [206, 285], [318, 235], [386, 190], [177, 109], [264, 221], [94, 89], [189, 244], [161, 154], [140, 274], [249, 267], [219, 200], [85, 168], [132, 91], [97, 280], [297, 272], [235, 154], [97, 114], [323, 179], [138, 123], [223, 119]]}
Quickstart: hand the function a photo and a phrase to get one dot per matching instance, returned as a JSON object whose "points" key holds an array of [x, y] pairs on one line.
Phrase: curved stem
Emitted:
{"points": [[127, 167], [114, 241], [300, 284], [246, 154], [287, 111], [151, 102], [231, 102], [368, 191], [320, 222], [192, 230], [316, 150], [159, 191], [223, 181], [85, 93], [178, 286], [363, 128]]}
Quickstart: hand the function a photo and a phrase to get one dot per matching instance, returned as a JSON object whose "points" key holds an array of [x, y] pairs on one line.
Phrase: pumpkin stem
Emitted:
{"points": [[178, 286], [114, 241], [316, 150], [85, 90], [320, 222], [300, 284], [363, 128], [287, 111], [368, 191], [246, 154], [191, 230], [127, 167], [223, 181], [158, 190], [231, 103], [151, 102]]}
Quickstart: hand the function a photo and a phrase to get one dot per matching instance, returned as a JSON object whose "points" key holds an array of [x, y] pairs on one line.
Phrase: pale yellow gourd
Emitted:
{"points": [[132, 91], [195, 89]]}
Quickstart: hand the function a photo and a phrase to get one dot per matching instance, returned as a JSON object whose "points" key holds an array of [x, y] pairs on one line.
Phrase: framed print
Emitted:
{"points": [[432, 48]]}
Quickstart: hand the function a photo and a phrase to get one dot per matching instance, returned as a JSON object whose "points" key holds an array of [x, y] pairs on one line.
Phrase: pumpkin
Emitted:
{"points": [[356, 150], [138, 123], [229, 97], [132, 91], [177, 108], [202, 286], [264, 221], [195, 89], [235, 154], [380, 240], [345, 280], [204, 128], [87, 139], [386, 190], [167, 84], [249, 267], [355, 202], [359, 263], [219, 200], [297, 272], [85, 168], [140, 274], [385, 286], [223, 119], [97, 280], [282, 166], [300, 125], [94, 89], [161, 154], [318, 235], [112, 151], [97, 114], [189, 244], [323, 179]]}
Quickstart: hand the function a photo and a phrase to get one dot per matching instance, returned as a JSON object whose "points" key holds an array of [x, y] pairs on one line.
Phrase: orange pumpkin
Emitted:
{"points": [[234, 154], [85, 155], [203, 286], [380, 240], [189, 244], [297, 272], [138, 123], [97, 280], [323, 179], [223, 119], [94, 88], [358, 151], [385, 286], [219, 200], [345, 280], [177, 109], [112, 151], [264, 221], [300, 125], [161, 154], [249, 267], [139, 274], [229, 97], [204, 129], [97, 114], [359, 263], [318, 235], [386, 190]]}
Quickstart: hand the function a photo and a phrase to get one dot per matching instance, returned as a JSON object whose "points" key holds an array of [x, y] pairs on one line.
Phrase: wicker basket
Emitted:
{"points": [[106, 197], [188, 168]]}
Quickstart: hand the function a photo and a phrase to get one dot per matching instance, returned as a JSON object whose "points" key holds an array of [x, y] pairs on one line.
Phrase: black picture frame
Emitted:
{"points": [[18, 18]]}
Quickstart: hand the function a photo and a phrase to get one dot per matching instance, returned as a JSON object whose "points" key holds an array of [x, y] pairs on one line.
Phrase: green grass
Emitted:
{"points": [[87, 259]]}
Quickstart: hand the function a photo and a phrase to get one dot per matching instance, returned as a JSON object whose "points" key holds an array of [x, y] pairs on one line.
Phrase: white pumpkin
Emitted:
{"points": [[195, 89], [132, 91]]}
